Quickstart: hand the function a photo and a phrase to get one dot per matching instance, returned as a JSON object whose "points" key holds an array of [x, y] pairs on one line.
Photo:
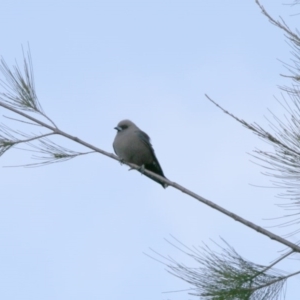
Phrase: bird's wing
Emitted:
{"points": [[144, 137], [155, 166]]}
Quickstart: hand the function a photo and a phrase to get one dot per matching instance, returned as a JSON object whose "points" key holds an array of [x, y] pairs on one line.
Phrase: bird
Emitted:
{"points": [[133, 145]]}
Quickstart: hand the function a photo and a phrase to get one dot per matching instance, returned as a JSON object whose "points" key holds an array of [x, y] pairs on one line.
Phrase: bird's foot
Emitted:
{"points": [[142, 169]]}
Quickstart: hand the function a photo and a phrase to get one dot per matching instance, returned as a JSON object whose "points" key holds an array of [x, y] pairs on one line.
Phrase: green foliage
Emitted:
{"points": [[226, 275]]}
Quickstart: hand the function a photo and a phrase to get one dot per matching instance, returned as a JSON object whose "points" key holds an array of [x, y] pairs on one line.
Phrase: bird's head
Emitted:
{"points": [[124, 125]]}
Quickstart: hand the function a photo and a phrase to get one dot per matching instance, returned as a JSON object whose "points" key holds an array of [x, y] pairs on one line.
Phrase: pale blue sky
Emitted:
{"points": [[78, 230]]}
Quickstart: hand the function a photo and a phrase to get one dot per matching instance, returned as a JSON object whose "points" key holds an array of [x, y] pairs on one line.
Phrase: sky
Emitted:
{"points": [[83, 229]]}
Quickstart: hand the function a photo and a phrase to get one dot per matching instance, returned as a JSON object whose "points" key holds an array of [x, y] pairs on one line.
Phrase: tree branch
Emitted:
{"points": [[164, 180]]}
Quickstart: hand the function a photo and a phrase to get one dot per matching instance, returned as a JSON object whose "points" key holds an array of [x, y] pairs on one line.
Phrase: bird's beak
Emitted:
{"points": [[118, 128]]}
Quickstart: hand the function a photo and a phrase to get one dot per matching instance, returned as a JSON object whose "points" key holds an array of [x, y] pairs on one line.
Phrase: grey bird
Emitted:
{"points": [[133, 145]]}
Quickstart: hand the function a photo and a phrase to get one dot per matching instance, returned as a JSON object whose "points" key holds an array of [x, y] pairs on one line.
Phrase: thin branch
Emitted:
{"points": [[278, 260], [283, 278], [282, 25], [21, 121], [256, 129], [274, 263], [33, 138]]}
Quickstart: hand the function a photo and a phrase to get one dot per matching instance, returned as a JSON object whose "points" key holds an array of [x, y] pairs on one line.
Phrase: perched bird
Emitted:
{"points": [[133, 145]]}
